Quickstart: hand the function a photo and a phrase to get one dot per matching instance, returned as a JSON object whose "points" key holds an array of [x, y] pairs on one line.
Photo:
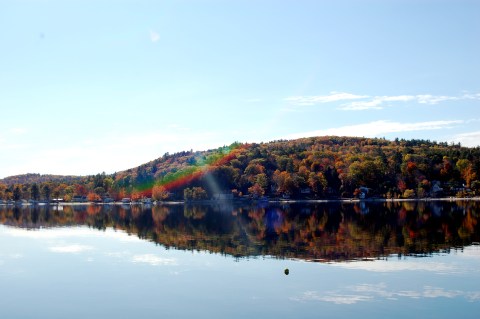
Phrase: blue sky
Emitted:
{"points": [[91, 86]]}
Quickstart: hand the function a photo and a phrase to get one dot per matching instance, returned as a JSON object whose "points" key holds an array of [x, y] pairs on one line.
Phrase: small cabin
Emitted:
{"points": [[79, 199]]}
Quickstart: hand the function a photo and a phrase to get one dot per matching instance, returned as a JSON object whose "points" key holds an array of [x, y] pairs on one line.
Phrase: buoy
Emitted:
{"points": [[286, 271]]}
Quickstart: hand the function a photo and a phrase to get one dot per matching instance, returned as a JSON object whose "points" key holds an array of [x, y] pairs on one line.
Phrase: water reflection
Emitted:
{"points": [[316, 232]]}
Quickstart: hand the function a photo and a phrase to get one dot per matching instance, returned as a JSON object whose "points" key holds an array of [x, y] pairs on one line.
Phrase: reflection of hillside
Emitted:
{"points": [[313, 232]]}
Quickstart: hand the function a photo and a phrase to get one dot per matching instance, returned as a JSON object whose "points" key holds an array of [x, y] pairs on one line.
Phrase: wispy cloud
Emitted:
{"points": [[332, 97], [379, 128], [355, 102], [379, 102], [376, 103], [154, 36]]}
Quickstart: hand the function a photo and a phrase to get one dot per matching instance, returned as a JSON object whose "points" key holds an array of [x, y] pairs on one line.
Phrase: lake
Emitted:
{"points": [[378, 260]]}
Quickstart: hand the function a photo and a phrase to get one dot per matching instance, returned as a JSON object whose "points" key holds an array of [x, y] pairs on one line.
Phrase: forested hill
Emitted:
{"points": [[312, 168], [38, 178]]}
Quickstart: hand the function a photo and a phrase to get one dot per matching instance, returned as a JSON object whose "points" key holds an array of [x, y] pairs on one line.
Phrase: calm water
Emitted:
{"points": [[224, 261]]}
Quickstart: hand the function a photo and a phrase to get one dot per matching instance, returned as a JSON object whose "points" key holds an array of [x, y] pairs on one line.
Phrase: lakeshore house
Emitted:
{"points": [[79, 199]]}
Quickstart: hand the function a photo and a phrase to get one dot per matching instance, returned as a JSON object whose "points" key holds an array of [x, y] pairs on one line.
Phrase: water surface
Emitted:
{"points": [[216, 261]]}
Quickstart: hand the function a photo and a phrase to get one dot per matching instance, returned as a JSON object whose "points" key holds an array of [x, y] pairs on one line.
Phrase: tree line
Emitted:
{"points": [[309, 168]]}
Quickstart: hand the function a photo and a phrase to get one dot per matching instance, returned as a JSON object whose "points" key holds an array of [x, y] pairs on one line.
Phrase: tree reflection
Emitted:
{"points": [[334, 231]]}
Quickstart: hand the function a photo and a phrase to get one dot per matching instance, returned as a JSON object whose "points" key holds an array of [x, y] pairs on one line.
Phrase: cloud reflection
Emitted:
{"points": [[338, 299], [71, 249], [392, 266], [154, 260], [370, 292], [470, 252], [70, 232]]}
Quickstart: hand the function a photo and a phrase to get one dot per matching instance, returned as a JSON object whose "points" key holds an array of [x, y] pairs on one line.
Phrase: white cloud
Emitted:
{"points": [[379, 102], [154, 260], [379, 128], [70, 248], [365, 102], [362, 105], [332, 97], [375, 103], [432, 99], [471, 96], [471, 139], [154, 36]]}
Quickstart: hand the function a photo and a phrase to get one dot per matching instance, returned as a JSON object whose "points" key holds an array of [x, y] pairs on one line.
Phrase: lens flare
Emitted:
{"points": [[195, 171]]}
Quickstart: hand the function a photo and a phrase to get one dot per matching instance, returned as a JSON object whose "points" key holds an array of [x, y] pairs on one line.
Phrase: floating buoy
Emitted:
{"points": [[286, 271]]}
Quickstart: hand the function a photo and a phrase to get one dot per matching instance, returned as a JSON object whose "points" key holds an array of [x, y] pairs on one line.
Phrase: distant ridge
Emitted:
{"points": [[31, 178]]}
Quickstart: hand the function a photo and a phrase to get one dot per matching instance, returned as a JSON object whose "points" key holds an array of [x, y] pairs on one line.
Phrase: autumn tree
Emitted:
{"points": [[195, 193], [3, 188], [160, 193], [466, 171], [256, 191], [92, 197], [81, 190], [284, 182]]}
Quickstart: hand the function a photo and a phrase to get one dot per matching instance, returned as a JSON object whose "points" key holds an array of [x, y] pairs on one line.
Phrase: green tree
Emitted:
{"points": [[108, 183], [317, 183], [17, 193], [262, 181], [476, 187], [187, 194], [46, 192], [199, 193], [34, 192]]}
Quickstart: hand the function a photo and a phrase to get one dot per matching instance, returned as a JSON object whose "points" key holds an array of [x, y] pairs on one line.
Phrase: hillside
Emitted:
{"points": [[38, 178], [312, 168]]}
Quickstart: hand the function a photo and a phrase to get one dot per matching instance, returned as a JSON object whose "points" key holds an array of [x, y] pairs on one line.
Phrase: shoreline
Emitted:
{"points": [[269, 201]]}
